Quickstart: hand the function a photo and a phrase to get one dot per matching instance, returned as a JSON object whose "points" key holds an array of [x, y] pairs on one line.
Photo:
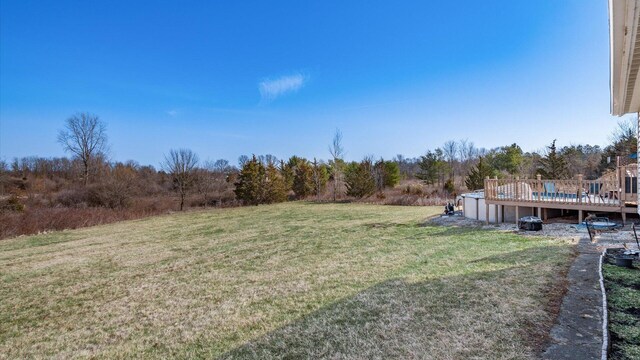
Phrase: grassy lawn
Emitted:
{"points": [[290, 280], [623, 294]]}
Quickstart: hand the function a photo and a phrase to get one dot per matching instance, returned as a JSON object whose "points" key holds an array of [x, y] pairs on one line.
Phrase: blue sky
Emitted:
{"points": [[226, 78]]}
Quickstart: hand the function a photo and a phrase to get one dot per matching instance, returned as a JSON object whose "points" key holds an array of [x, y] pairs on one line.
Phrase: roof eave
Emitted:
{"points": [[624, 56]]}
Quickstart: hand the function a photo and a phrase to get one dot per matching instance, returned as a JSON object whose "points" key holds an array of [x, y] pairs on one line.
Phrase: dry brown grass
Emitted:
{"points": [[36, 218], [289, 280], [43, 219]]}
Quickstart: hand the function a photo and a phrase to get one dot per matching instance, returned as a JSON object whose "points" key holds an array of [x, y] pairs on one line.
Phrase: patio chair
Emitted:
{"points": [[549, 189]]}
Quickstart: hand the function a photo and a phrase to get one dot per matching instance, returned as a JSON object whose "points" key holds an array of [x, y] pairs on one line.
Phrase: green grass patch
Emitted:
{"points": [[293, 280], [623, 298]]}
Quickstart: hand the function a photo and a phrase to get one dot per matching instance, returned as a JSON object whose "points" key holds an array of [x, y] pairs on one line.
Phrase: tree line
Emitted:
{"points": [[461, 165], [88, 178]]}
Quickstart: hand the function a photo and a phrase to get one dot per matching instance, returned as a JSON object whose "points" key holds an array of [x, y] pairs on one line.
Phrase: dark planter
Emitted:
{"points": [[624, 261], [530, 223]]}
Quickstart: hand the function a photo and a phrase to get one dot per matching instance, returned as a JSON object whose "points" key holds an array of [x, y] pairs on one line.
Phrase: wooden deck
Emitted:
{"points": [[615, 192]]}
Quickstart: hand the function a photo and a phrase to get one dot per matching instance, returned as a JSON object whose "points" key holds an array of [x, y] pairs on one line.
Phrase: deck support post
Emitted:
{"points": [[495, 209], [544, 214], [579, 216], [624, 218], [540, 212], [517, 215]]}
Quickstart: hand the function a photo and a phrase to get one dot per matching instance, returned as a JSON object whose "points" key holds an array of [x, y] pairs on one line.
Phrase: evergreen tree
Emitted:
{"points": [[250, 184], [275, 189], [303, 183], [379, 174], [359, 179], [476, 176], [320, 177], [386, 174], [506, 158], [553, 165], [432, 167], [288, 170], [392, 174]]}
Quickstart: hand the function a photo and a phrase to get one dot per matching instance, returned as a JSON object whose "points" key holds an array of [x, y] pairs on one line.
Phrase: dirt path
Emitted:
{"points": [[577, 333]]}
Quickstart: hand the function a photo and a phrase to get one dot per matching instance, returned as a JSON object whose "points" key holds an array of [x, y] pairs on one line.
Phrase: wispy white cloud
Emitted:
{"points": [[270, 89], [172, 113]]}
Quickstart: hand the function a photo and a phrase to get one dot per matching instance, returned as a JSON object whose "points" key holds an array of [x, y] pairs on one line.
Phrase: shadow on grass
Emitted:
{"points": [[525, 257], [476, 315]]}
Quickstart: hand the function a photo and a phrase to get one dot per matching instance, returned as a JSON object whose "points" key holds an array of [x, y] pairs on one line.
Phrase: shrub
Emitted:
{"points": [[75, 198], [449, 186], [12, 204], [414, 189], [110, 195]]}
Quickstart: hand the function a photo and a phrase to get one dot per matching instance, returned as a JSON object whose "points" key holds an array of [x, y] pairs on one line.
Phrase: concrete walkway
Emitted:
{"points": [[577, 333]]}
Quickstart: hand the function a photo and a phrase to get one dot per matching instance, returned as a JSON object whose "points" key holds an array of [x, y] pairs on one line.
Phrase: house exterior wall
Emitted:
{"points": [[624, 62]]}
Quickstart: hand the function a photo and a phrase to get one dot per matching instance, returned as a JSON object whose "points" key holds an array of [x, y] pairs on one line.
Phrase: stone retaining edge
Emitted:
{"points": [[605, 321]]}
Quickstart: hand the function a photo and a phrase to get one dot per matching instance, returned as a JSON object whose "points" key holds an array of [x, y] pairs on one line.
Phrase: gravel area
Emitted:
{"points": [[614, 238]]}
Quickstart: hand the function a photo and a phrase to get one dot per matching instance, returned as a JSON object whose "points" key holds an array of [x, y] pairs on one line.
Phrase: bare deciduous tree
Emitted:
{"points": [[337, 153], [468, 155], [269, 159], [221, 166], [181, 164], [242, 159], [204, 183], [450, 150], [624, 137], [468, 150], [212, 180], [85, 136]]}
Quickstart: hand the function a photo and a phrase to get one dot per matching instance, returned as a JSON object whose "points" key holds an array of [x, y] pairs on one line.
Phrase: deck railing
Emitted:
{"points": [[602, 192]]}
